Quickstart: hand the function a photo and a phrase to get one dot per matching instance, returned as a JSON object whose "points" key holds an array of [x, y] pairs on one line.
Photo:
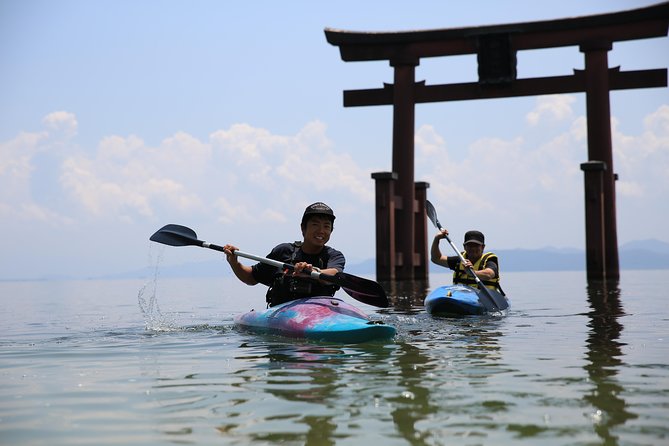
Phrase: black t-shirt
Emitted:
{"points": [[327, 258]]}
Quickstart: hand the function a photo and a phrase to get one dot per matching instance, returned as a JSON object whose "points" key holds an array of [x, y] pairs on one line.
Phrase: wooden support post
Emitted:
{"points": [[595, 222], [385, 225], [421, 260]]}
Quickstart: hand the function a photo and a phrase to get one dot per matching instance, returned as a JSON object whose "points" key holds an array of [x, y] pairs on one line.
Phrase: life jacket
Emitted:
{"points": [[285, 287], [460, 275]]}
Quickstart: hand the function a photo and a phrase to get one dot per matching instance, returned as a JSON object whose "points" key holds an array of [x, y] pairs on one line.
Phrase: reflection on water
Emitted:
{"points": [[312, 379], [414, 403], [604, 355], [407, 295]]}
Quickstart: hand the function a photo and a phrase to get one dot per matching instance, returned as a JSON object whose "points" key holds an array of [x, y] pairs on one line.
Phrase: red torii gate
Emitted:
{"points": [[401, 235]]}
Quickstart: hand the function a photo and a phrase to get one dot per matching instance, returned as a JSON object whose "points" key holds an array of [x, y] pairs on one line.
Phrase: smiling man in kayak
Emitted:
{"points": [[311, 253], [485, 266]]}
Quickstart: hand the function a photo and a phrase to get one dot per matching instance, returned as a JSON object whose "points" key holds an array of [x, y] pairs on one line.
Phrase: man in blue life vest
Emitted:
{"points": [[485, 265], [310, 254]]}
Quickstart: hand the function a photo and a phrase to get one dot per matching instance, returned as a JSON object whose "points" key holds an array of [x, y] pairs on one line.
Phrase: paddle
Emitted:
{"points": [[490, 299], [364, 290]]}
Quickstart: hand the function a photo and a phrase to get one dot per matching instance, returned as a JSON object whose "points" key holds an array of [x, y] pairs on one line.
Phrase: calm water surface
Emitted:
{"points": [[144, 362]]}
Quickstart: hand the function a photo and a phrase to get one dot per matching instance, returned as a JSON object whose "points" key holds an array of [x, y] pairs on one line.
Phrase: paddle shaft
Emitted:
{"points": [[314, 274]]}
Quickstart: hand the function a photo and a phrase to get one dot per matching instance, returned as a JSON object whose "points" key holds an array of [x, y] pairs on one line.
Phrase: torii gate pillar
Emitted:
{"points": [[598, 110], [403, 165], [401, 223]]}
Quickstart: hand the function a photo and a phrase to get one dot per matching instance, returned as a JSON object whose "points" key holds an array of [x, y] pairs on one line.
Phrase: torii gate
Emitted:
{"points": [[401, 235]]}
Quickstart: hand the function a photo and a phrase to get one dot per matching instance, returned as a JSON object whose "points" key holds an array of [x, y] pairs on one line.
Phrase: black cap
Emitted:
{"points": [[318, 208], [474, 237]]}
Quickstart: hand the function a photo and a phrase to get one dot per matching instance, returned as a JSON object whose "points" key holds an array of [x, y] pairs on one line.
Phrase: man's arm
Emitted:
{"points": [[336, 263], [243, 272], [489, 272], [435, 253]]}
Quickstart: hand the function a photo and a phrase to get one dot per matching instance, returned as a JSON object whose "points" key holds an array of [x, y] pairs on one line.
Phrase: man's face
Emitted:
{"points": [[474, 251], [317, 231]]}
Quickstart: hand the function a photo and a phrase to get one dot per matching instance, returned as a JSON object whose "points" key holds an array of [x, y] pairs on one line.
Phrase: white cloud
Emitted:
{"points": [[128, 180], [629, 189], [552, 107], [113, 148], [244, 144], [61, 124], [15, 157], [642, 161], [228, 212], [658, 123], [100, 194], [16, 168], [578, 129], [429, 143], [272, 216]]}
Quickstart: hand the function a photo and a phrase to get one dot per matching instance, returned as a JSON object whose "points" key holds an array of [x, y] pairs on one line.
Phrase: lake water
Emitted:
{"points": [[142, 363]]}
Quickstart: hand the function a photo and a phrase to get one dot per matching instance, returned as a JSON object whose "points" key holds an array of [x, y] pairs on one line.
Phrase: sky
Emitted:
{"points": [[118, 117]]}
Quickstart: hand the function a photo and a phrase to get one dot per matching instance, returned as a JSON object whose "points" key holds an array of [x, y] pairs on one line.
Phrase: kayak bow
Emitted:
{"points": [[324, 318], [457, 300]]}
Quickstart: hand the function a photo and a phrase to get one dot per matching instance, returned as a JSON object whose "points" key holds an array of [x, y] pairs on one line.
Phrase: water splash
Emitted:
{"points": [[147, 296]]}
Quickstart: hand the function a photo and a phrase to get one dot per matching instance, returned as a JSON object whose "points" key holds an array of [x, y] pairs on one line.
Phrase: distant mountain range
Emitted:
{"points": [[642, 254]]}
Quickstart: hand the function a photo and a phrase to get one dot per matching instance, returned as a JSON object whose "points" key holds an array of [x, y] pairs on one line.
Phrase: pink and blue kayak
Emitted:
{"points": [[325, 318], [462, 300]]}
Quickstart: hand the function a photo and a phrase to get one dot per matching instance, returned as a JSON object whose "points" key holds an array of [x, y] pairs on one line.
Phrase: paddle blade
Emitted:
{"points": [[492, 300], [176, 235], [432, 214], [363, 290]]}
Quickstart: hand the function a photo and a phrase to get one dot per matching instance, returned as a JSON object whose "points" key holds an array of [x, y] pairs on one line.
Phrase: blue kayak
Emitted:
{"points": [[461, 300], [316, 318]]}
